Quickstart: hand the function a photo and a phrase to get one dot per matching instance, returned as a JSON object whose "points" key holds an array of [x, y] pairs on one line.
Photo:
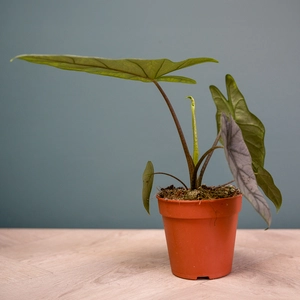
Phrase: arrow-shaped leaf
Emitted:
{"points": [[148, 177], [252, 128], [146, 70], [253, 132], [240, 164]]}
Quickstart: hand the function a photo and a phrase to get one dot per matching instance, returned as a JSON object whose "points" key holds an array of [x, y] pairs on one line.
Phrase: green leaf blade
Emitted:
{"points": [[253, 132], [145, 70], [148, 177], [179, 79], [266, 183], [252, 128]]}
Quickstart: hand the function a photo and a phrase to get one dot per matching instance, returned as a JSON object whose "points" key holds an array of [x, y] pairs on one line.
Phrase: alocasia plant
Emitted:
{"points": [[241, 132]]}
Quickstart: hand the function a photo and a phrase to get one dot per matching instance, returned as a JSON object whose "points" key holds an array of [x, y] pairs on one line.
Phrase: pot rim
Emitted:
{"points": [[195, 201], [200, 209]]}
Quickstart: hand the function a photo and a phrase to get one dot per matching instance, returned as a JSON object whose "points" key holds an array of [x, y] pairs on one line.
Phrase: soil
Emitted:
{"points": [[202, 193]]}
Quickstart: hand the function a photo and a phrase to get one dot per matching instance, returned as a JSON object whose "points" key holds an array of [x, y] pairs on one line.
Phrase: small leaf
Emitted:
{"points": [[194, 129], [148, 177], [240, 164], [146, 70]]}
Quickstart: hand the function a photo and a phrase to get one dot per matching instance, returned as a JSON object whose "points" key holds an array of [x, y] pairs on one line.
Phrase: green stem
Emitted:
{"points": [[189, 159], [199, 181]]}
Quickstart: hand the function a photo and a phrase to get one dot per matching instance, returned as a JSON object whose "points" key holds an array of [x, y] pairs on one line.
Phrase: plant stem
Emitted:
{"points": [[224, 184], [189, 159], [163, 173], [208, 152], [199, 181]]}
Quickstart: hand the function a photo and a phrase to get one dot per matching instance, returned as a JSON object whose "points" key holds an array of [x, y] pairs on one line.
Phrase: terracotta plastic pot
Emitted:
{"points": [[200, 235]]}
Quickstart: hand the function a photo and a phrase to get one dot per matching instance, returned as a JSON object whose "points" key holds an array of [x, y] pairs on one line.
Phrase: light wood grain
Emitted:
{"points": [[133, 264]]}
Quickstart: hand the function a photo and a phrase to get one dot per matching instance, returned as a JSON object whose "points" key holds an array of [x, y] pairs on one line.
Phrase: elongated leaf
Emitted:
{"points": [[194, 129], [253, 132], [148, 177], [146, 70], [252, 128], [240, 164]]}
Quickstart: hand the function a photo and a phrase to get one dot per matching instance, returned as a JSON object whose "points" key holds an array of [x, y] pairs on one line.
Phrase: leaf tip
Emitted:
{"points": [[191, 98], [213, 60], [21, 56], [268, 219]]}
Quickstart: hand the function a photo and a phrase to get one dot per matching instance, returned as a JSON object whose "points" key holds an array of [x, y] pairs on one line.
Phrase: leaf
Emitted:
{"points": [[252, 128], [146, 70], [253, 132], [265, 181], [194, 129], [240, 164], [148, 177]]}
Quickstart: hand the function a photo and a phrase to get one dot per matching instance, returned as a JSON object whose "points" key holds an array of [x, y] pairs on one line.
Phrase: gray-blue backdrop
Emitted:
{"points": [[73, 146]]}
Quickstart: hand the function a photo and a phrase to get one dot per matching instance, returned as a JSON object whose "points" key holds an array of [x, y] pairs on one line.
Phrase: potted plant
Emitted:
{"points": [[200, 222]]}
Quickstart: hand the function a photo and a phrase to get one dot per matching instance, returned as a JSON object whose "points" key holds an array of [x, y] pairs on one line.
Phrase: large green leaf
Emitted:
{"points": [[148, 177], [146, 70], [253, 133], [252, 128], [240, 164]]}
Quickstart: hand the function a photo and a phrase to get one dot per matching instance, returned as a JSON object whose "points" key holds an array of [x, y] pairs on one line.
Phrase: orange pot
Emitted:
{"points": [[200, 235]]}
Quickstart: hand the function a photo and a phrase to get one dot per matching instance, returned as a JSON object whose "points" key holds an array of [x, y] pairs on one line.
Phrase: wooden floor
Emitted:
{"points": [[84, 264]]}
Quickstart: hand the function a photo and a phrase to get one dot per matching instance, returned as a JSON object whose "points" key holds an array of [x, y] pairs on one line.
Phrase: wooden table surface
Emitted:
{"points": [[102, 264]]}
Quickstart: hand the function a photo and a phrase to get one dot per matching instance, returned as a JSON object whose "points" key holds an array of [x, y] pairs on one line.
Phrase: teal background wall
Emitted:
{"points": [[73, 146]]}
